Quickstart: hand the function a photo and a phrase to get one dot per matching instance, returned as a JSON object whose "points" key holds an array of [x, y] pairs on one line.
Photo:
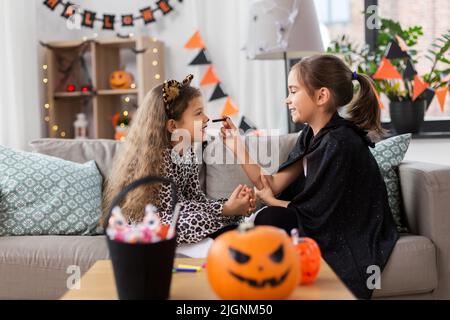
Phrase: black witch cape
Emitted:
{"points": [[342, 202]]}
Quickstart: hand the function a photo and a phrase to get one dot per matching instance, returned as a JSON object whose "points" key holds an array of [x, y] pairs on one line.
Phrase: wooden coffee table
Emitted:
{"points": [[98, 284]]}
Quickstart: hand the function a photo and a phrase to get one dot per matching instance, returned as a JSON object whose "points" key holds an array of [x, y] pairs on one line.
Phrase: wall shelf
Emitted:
{"points": [[103, 56]]}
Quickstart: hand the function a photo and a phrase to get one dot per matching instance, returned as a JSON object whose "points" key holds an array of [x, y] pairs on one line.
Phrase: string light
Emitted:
{"points": [[133, 86], [154, 39], [157, 76], [125, 113], [122, 125], [131, 35], [127, 99], [155, 63], [155, 50], [47, 105]]}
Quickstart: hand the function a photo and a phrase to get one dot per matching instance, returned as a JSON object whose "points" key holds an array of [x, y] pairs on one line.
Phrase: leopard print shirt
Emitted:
{"points": [[199, 216]]}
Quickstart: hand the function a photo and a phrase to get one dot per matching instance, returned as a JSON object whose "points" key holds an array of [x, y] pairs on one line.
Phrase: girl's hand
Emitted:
{"points": [[252, 200], [266, 193], [230, 136], [239, 202]]}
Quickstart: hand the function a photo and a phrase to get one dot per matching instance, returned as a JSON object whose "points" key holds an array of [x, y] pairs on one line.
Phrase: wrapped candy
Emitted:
{"points": [[150, 230]]}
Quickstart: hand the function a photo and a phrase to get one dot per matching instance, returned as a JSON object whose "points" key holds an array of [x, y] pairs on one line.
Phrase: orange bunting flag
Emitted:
{"points": [[229, 109], [210, 77], [386, 70], [419, 86], [441, 94], [195, 42]]}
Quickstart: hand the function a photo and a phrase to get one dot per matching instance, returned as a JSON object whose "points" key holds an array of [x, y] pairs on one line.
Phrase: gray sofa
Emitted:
{"points": [[36, 267]]}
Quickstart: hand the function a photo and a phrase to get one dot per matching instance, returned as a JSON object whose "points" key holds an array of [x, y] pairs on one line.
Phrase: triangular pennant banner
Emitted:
{"points": [[210, 77], [246, 125], [401, 43], [419, 86], [229, 109], [410, 71], [200, 59], [393, 51], [218, 93], [441, 94], [195, 42], [428, 95], [386, 71]]}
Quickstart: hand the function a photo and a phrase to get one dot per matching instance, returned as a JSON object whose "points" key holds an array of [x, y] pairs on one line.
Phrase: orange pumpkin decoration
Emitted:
{"points": [[120, 79], [310, 257], [254, 263]]}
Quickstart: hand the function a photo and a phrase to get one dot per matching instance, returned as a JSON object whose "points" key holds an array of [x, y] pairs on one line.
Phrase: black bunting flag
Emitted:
{"points": [[108, 21]]}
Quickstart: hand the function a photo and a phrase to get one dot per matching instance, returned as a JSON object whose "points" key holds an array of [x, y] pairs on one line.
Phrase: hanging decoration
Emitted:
{"points": [[441, 95], [386, 70], [210, 77], [195, 42], [419, 86], [108, 21], [398, 50], [200, 59], [230, 108]]}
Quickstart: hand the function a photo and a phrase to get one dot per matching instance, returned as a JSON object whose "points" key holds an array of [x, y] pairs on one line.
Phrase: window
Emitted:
{"points": [[433, 17], [332, 12]]}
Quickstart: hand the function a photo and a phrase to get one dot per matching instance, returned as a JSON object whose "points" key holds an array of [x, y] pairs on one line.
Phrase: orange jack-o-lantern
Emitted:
{"points": [[120, 80], [310, 257], [255, 263]]}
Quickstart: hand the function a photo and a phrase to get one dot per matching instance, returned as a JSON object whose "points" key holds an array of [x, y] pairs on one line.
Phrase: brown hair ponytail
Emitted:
{"points": [[363, 110], [331, 72]]}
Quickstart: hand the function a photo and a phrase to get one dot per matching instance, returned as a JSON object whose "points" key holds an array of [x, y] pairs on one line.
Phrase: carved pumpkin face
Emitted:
{"points": [[120, 80], [260, 263], [310, 258]]}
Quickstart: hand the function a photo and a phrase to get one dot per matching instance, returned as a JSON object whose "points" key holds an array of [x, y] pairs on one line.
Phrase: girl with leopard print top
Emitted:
{"points": [[160, 142]]}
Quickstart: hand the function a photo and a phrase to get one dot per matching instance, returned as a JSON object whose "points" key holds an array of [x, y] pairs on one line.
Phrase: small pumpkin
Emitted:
{"points": [[120, 79], [253, 263], [310, 257]]}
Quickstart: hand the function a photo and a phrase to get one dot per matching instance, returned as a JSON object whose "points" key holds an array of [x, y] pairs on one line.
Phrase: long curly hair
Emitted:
{"points": [[142, 152]]}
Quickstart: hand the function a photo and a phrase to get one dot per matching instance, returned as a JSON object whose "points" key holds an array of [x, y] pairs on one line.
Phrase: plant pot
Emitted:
{"points": [[407, 116]]}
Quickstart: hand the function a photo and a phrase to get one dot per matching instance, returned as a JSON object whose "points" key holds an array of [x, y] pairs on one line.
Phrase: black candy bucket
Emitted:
{"points": [[142, 271]]}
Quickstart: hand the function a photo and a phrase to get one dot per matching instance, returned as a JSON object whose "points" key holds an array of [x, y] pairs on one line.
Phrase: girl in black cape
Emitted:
{"points": [[330, 187]]}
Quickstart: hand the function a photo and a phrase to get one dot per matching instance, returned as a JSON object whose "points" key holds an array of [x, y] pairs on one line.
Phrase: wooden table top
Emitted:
{"points": [[98, 284]]}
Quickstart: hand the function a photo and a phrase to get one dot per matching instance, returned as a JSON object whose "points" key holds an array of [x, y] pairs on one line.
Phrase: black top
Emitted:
{"points": [[342, 202]]}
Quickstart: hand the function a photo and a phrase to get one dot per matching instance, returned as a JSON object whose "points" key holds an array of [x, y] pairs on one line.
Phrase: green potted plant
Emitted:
{"points": [[407, 114]]}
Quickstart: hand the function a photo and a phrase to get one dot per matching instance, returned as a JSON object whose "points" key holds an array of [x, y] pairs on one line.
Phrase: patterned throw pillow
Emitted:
{"points": [[43, 195], [389, 154]]}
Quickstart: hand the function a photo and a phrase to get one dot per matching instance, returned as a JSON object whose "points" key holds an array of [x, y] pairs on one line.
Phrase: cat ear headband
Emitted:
{"points": [[171, 89]]}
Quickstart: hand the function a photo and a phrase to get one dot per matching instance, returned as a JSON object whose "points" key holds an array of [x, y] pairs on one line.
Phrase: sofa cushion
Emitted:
{"points": [[389, 153], [44, 195], [34, 267], [222, 177], [411, 268], [81, 151]]}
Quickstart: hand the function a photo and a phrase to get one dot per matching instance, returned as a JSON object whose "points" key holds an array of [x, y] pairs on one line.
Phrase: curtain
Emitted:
{"points": [[19, 110]]}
